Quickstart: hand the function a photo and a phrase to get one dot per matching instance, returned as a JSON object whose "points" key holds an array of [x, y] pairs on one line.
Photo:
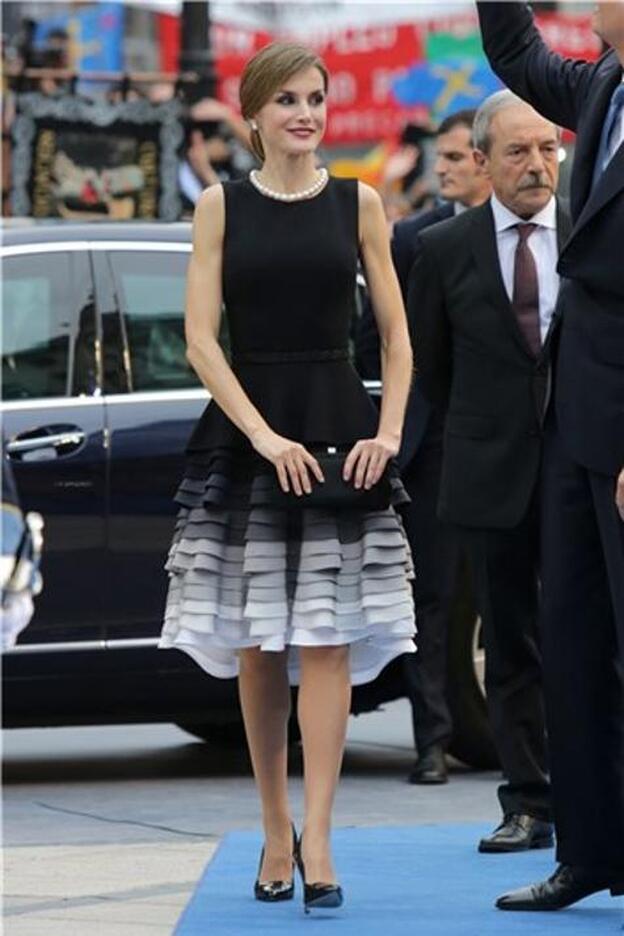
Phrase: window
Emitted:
{"points": [[151, 288], [46, 307]]}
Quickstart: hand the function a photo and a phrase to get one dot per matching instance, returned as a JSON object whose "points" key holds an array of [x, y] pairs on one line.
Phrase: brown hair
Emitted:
{"points": [[266, 72], [462, 118]]}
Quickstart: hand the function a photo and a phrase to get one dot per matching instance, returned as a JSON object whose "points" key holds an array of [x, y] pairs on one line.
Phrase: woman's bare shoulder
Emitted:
{"points": [[209, 216]]}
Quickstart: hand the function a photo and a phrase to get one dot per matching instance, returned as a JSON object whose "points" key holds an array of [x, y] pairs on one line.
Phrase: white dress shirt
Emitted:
{"points": [[542, 244]]}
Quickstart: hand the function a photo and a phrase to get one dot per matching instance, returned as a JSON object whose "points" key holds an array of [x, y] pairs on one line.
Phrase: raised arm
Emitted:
{"points": [[203, 316], [369, 457], [553, 85], [430, 330]]}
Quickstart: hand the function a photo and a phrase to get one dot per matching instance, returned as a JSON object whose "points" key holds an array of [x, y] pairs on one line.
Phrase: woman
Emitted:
{"points": [[286, 593]]}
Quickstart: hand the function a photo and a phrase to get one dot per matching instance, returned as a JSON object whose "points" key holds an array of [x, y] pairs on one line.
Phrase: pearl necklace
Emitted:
{"points": [[320, 183]]}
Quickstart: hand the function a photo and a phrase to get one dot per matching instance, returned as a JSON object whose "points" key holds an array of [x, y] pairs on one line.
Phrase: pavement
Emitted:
{"points": [[107, 829]]}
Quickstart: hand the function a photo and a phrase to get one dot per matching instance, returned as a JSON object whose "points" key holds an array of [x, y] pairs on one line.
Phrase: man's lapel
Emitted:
{"points": [[564, 229], [608, 186], [564, 224], [588, 139]]}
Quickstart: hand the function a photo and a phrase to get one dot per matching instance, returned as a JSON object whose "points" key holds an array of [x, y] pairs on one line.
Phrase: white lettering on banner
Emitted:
{"points": [[365, 40], [366, 124], [382, 80], [227, 40], [229, 91], [343, 89], [459, 26]]}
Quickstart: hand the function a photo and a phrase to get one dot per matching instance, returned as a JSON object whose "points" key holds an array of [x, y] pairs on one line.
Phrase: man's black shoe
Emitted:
{"points": [[430, 767], [565, 887], [518, 833]]}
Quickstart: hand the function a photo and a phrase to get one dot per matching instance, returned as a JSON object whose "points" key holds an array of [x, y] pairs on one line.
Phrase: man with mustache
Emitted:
{"points": [[463, 185], [480, 301], [583, 523]]}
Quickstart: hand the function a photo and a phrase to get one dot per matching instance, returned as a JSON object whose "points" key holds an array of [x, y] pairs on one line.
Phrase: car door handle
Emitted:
{"points": [[68, 440]]}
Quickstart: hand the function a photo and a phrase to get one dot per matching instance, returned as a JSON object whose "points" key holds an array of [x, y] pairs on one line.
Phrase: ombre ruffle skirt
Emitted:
{"points": [[243, 574]]}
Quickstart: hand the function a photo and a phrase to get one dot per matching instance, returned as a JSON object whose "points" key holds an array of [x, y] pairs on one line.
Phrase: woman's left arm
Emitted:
{"points": [[368, 458]]}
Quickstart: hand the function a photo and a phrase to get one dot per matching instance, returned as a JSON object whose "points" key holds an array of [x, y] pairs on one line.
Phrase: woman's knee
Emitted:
{"points": [[256, 662], [330, 658]]}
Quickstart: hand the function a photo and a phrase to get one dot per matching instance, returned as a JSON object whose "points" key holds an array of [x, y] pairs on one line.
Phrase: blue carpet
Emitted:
{"points": [[420, 880]]}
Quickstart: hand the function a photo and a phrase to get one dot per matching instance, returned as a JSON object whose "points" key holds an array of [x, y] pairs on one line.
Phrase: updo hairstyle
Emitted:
{"points": [[267, 71]]}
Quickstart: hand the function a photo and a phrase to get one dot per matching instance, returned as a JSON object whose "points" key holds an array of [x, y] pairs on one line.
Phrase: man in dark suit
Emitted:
{"points": [[481, 297], [583, 525], [433, 544]]}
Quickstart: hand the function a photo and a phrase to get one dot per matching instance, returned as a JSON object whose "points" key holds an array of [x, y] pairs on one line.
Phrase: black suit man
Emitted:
{"points": [[433, 544], [583, 526], [481, 294]]}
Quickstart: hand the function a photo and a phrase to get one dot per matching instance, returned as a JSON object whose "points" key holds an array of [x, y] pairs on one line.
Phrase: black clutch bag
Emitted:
{"points": [[333, 494]]}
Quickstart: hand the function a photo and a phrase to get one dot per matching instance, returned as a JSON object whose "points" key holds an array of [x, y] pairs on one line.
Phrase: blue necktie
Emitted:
{"points": [[615, 107]]}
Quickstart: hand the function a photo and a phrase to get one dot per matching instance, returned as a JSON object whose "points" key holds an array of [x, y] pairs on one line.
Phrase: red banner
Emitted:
{"points": [[364, 62]]}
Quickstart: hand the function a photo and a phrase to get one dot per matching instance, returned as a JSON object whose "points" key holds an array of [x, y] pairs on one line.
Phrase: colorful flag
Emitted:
{"points": [[455, 76]]}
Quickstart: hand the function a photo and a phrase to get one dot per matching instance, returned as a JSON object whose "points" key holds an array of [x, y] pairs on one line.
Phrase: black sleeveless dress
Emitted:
{"points": [[242, 573]]}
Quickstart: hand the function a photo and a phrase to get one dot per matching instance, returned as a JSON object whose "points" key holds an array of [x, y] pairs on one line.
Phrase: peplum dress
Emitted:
{"points": [[242, 573]]}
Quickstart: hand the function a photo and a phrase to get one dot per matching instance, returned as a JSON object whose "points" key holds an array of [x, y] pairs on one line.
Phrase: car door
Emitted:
{"points": [[153, 399], [54, 429]]}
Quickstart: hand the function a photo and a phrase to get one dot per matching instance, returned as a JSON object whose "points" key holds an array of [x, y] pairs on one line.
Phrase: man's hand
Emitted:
{"points": [[619, 494]]}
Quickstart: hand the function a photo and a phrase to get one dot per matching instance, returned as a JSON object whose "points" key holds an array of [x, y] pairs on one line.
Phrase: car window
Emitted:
{"points": [[151, 288], [46, 315]]}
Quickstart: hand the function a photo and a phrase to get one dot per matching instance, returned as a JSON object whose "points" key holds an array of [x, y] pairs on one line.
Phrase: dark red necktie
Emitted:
{"points": [[525, 301]]}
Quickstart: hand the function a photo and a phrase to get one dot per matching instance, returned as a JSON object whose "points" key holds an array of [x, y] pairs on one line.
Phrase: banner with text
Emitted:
{"points": [[384, 76]]}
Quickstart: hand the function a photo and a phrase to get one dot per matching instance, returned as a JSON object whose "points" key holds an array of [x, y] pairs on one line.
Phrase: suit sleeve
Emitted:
{"points": [[553, 85], [402, 256], [429, 329]]}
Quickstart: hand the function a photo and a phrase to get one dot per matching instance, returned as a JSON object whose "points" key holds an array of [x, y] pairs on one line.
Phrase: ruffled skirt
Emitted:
{"points": [[246, 575]]}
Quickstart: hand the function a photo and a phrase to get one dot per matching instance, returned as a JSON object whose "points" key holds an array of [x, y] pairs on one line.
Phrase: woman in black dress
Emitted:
{"points": [[295, 593]]}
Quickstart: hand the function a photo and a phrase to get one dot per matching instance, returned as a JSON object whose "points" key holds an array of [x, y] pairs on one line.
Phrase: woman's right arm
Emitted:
{"points": [[204, 297]]}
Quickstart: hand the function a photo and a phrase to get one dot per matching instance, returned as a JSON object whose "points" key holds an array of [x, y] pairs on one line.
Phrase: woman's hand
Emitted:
{"points": [[367, 460], [292, 461]]}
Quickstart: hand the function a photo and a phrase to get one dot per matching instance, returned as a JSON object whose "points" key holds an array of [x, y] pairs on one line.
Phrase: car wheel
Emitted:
{"points": [[472, 740]]}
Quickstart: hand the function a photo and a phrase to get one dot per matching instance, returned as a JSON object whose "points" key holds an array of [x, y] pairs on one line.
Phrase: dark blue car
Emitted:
{"points": [[98, 404]]}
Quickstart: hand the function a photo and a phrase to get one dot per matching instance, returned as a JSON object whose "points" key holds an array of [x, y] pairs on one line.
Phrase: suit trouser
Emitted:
{"points": [[436, 558], [583, 646], [505, 566]]}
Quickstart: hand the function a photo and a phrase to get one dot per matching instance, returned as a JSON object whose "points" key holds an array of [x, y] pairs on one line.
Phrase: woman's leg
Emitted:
{"points": [[265, 700], [323, 709]]}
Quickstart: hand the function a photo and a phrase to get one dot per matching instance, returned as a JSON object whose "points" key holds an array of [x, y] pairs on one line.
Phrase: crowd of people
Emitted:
{"points": [[216, 145]]}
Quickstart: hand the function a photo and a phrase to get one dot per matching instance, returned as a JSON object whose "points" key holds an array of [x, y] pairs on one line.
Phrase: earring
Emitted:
{"points": [[253, 125]]}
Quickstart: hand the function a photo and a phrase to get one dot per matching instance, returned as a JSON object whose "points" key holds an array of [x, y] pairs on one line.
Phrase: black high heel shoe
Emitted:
{"points": [[273, 891], [318, 896]]}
